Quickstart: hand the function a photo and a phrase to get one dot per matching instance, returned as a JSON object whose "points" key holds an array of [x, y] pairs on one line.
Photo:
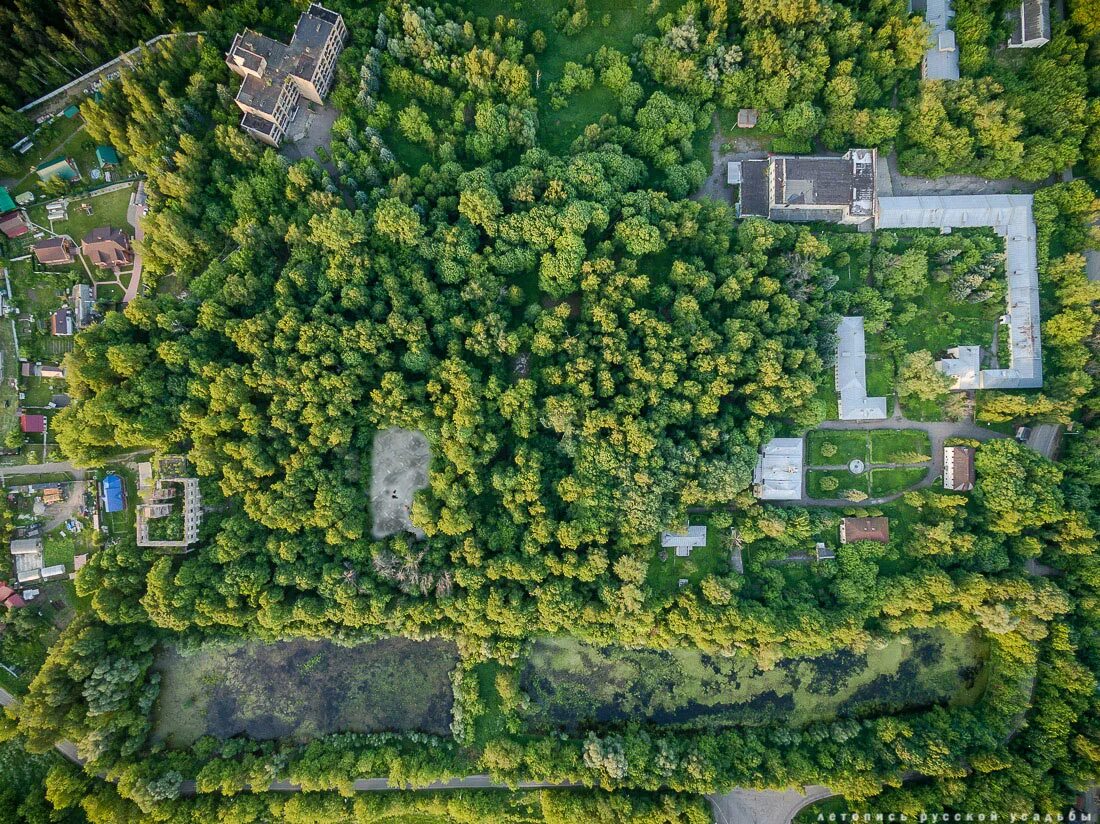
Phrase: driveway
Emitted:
{"points": [[133, 217], [741, 148]]}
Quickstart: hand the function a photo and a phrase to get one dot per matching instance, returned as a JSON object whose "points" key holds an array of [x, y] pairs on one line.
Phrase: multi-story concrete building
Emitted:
{"points": [[276, 75]]}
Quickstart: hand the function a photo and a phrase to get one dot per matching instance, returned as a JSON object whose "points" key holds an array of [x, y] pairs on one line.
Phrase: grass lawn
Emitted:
{"points": [[887, 445], [489, 726], [845, 481], [919, 410], [888, 481], [943, 322], [109, 293], [712, 559], [58, 549], [573, 685], [47, 145], [39, 391], [849, 444], [107, 210], [121, 523], [9, 395], [825, 393]]}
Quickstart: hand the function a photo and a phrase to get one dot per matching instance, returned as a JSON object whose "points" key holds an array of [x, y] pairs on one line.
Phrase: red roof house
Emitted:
{"points": [[13, 225], [5, 592], [32, 424], [107, 248], [15, 601]]}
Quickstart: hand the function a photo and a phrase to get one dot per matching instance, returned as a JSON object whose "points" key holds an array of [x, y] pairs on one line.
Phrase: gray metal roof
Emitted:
{"points": [[1011, 217], [778, 472], [1031, 24], [941, 60], [692, 536], [851, 374]]}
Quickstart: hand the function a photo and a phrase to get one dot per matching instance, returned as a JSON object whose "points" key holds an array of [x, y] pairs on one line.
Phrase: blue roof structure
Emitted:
{"points": [[111, 488]]}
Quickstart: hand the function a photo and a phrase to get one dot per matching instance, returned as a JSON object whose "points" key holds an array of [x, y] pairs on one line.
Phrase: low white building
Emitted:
{"points": [[778, 473], [684, 542], [851, 374]]}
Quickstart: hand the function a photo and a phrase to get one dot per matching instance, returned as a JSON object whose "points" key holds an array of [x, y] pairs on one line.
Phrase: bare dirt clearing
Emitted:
{"points": [[399, 467]]}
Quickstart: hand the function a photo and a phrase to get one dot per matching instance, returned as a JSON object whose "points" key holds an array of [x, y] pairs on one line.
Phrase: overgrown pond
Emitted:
{"points": [[304, 689], [573, 685]]}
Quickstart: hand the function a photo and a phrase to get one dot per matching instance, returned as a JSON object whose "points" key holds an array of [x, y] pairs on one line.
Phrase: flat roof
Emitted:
{"points": [[753, 200]]}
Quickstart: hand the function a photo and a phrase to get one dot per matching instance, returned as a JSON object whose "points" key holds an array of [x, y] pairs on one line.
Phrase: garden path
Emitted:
{"points": [[938, 432]]}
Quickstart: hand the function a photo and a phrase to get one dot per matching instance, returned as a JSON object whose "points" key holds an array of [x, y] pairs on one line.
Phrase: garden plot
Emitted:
{"points": [[304, 689], [573, 685], [399, 468]]}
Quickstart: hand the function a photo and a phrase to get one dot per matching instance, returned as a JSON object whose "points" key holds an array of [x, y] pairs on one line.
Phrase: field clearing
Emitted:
{"points": [[304, 689], [576, 686], [612, 23]]}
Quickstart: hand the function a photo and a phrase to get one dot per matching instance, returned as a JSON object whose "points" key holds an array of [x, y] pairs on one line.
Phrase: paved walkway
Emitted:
{"points": [[938, 432], [133, 217]]}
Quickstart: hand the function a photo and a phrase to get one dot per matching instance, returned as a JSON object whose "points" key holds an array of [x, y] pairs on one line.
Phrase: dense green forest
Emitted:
{"points": [[594, 356]]}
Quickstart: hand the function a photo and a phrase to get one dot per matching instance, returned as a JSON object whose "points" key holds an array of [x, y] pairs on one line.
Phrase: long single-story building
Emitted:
{"points": [[684, 542], [864, 529], [1011, 217], [851, 374]]}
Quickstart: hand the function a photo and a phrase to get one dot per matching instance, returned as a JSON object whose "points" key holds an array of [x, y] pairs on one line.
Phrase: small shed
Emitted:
{"points": [[32, 424], [71, 111], [106, 155], [746, 118]]}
